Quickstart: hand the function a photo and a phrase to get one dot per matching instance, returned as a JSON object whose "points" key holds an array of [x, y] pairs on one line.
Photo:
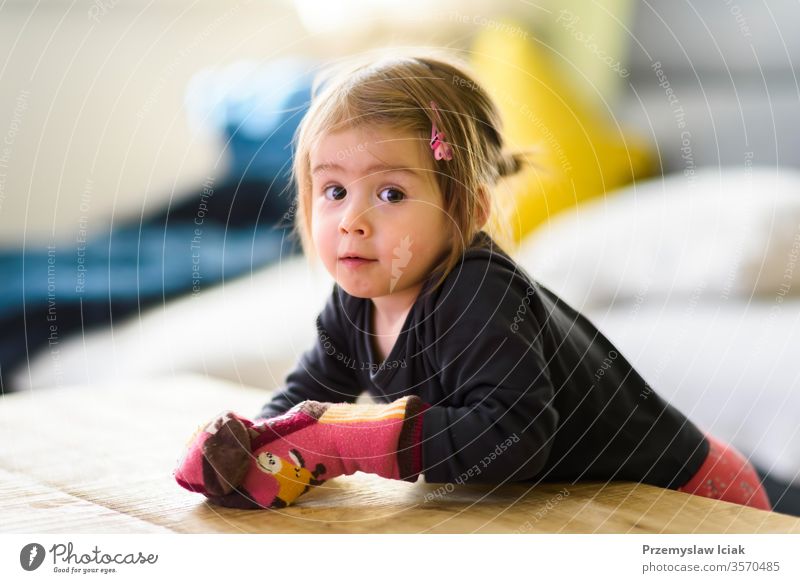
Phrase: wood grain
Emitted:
{"points": [[99, 459]]}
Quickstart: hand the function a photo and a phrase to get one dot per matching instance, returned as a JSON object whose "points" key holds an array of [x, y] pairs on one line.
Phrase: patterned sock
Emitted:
{"points": [[312, 442]]}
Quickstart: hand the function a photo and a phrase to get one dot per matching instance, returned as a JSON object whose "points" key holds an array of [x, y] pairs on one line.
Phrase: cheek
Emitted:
{"points": [[319, 227], [315, 230], [432, 222], [324, 236]]}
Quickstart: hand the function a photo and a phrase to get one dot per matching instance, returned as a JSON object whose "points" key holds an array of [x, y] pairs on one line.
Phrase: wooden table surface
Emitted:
{"points": [[99, 460]]}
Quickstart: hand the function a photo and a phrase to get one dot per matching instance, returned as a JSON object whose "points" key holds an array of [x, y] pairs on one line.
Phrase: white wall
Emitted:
{"points": [[91, 102]]}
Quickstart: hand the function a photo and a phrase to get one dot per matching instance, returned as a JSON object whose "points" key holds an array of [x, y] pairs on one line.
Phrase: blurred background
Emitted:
{"points": [[145, 197]]}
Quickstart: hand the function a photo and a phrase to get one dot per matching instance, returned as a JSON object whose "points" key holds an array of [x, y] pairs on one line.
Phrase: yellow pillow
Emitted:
{"points": [[581, 153]]}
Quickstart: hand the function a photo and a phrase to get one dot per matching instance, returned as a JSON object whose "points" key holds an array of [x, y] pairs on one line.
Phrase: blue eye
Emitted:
{"points": [[393, 194], [335, 192]]}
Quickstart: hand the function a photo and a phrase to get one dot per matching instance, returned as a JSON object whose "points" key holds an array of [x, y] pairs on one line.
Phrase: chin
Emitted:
{"points": [[357, 291]]}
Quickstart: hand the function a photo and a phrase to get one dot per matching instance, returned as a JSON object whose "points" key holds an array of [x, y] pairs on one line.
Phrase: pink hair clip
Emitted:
{"points": [[441, 149]]}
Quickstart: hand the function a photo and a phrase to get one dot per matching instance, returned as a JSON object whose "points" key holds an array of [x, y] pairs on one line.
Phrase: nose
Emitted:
{"points": [[355, 216]]}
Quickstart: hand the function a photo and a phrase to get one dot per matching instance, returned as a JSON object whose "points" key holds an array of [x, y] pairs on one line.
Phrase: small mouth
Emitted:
{"points": [[350, 256], [354, 261]]}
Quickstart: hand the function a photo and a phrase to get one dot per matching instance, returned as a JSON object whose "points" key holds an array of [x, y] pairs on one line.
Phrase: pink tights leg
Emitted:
{"points": [[727, 475]]}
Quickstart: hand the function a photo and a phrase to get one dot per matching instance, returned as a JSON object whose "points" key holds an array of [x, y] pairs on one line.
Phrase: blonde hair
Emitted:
{"points": [[396, 92]]}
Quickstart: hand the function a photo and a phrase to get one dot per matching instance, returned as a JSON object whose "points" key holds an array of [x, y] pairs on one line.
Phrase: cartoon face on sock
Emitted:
{"points": [[375, 196], [291, 478], [269, 463]]}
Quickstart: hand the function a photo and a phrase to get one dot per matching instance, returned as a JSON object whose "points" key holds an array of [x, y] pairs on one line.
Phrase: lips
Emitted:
{"points": [[354, 261], [354, 256]]}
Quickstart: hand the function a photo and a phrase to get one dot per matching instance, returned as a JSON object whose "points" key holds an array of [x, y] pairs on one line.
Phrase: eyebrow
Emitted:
{"points": [[370, 170]]}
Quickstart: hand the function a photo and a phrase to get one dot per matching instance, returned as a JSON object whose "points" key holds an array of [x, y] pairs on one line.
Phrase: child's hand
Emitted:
{"points": [[277, 472], [287, 455], [222, 465]]}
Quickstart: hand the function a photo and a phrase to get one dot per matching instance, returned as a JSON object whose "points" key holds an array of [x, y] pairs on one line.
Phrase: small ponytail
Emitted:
{"points": [[511, 163]]}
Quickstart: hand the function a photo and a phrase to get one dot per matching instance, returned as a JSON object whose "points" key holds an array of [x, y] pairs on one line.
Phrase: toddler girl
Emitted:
{"points": [[481, 374]]}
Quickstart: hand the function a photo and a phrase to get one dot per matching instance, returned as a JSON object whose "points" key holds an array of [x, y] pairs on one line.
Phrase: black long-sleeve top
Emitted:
{"points": [[521, 386]]}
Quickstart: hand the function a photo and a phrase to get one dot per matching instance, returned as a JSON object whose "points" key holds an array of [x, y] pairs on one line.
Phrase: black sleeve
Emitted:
{"points": [[499, 421], [321, 373]]}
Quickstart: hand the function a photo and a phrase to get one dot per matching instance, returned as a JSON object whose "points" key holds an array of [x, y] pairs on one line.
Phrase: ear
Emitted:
{"points": [[297, 459]]}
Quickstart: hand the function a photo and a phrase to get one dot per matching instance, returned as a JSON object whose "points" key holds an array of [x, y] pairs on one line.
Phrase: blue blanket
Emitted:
{"points": [[51, 292]]}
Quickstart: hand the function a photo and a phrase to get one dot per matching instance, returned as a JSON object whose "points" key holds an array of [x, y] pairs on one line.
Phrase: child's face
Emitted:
{"points": [[374, 194]]}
